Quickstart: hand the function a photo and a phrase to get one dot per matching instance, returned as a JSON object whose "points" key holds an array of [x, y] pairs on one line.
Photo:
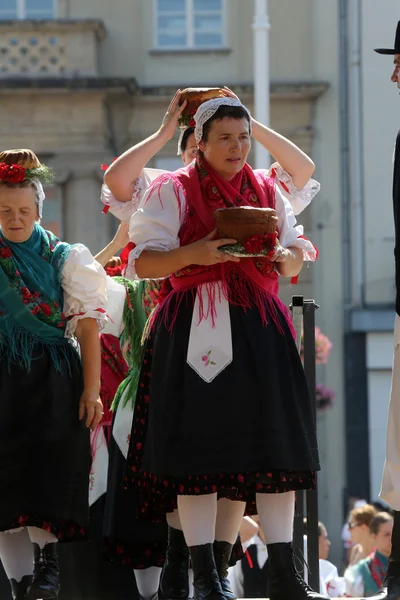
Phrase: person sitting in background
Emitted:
{"points": [[360, 520], [366, 577], [249, 577], [330, 583]]}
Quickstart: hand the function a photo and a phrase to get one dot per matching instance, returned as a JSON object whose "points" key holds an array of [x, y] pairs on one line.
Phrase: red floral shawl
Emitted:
{"points": [[253, 281]]}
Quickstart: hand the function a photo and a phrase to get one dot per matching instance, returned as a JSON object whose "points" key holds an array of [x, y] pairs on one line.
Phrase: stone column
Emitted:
{"points": [[83, 218]]}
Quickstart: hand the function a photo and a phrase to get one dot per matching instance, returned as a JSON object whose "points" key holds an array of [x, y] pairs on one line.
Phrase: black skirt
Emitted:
{"points": [[45, 455], [131, 541], [251, 429]]}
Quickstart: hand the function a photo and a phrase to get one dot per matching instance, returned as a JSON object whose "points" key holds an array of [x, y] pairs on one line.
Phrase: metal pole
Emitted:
{"points": [[297, 308], [312, 496], [261, 27]]}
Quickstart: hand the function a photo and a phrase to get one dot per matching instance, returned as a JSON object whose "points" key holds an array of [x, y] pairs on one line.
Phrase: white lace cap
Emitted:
{"points": [[182, 133], [209, 108], [40, 196]]}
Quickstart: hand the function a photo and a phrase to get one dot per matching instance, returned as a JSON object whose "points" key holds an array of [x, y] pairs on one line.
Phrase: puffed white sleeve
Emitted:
{"points": [[291, 234], [124, 210], [299, 199], [83, 280], [116, 297], [156, 223]]}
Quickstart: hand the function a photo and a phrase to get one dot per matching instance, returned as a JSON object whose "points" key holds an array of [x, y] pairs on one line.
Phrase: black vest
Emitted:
{"points": [[396, 213], [255, 580]]}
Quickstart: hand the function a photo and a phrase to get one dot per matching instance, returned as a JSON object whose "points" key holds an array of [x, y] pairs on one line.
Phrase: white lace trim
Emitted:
{"points": [[40, 196], [299, 199], [130, 271], [122, 210], [209, 108], [101, 319], [309, 252]]}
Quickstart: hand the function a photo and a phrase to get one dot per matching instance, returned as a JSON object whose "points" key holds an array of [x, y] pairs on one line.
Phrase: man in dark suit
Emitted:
{"points": [[390, 491]]}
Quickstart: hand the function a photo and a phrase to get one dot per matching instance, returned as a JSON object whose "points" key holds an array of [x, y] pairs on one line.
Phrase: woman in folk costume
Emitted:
{"points": [[50, 294], [126, 181], [220, 338], [113, 365]]}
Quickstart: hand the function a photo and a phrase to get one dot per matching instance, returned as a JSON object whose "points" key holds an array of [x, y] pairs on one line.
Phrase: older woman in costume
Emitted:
{"points": [[183, 450], [50, 294]]}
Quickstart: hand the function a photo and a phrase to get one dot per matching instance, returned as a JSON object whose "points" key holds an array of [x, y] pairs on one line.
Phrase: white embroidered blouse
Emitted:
{"points": [[299, 199], [156, 227], [84, 283]]}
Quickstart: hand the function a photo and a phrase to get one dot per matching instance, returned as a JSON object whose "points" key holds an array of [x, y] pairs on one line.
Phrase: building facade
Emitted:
{"points": [[82, 80]]}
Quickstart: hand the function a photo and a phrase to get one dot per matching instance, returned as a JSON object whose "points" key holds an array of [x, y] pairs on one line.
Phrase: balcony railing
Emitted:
{"points": [[50, 48]]}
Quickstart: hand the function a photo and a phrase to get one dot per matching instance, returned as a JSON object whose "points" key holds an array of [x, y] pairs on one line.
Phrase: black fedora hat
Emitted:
{"points": [[396, 49]]}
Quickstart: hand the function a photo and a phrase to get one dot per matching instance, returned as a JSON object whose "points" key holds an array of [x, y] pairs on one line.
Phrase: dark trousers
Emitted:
{"points": [[395, 555]]}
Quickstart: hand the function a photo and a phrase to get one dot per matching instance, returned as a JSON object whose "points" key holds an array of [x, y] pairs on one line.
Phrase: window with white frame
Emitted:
{"points": [[27, 9], [185, 24]]}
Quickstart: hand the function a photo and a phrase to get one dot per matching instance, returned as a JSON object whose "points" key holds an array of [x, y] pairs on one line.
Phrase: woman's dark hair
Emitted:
{"points": [[184, 140], [378, 520], [232, 112]]}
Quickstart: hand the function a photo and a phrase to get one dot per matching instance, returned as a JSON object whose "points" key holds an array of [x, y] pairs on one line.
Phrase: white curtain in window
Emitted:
{"points": [[189, 24], [27, 9]]}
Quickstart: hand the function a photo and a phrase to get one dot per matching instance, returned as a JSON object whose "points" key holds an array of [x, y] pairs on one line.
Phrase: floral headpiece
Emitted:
{"points": [[187, 120], [38, 176], [18, 174]]}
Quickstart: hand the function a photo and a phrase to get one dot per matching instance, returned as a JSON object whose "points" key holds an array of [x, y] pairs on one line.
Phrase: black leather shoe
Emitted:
{"points": [[174, 580], [46, 573], [222, 556], [19, 589], [284, 582], [206, 581], [390, 589]]}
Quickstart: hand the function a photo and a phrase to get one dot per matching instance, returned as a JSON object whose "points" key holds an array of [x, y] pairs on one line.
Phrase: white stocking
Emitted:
{"points": [[276, 512], [229, 518], [16, 554], [147, 581], [41, 537], [174, 520], [198, 516]]}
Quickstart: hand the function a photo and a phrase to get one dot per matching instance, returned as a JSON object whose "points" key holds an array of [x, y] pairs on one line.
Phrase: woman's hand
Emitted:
{"points": [[230, 94], [91, 406], [289, 261], [113, 263], [281, 254], [119, 241], [170, 120], [121, 238], [205, 252]]}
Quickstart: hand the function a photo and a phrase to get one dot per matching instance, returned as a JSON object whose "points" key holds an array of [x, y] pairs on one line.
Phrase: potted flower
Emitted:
{"points": [[325, 396]]}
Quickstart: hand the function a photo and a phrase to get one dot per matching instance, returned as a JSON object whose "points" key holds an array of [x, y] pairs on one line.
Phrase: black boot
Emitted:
{"points": [[222, 555], [19, 590], [390, 589], [174, 580], [46, 581], [206, 582], [284, 582]]}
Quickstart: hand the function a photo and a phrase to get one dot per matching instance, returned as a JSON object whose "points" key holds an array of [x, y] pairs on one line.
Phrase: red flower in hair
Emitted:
{"points": [[5, 252], [192, 123], [12, 173]]}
